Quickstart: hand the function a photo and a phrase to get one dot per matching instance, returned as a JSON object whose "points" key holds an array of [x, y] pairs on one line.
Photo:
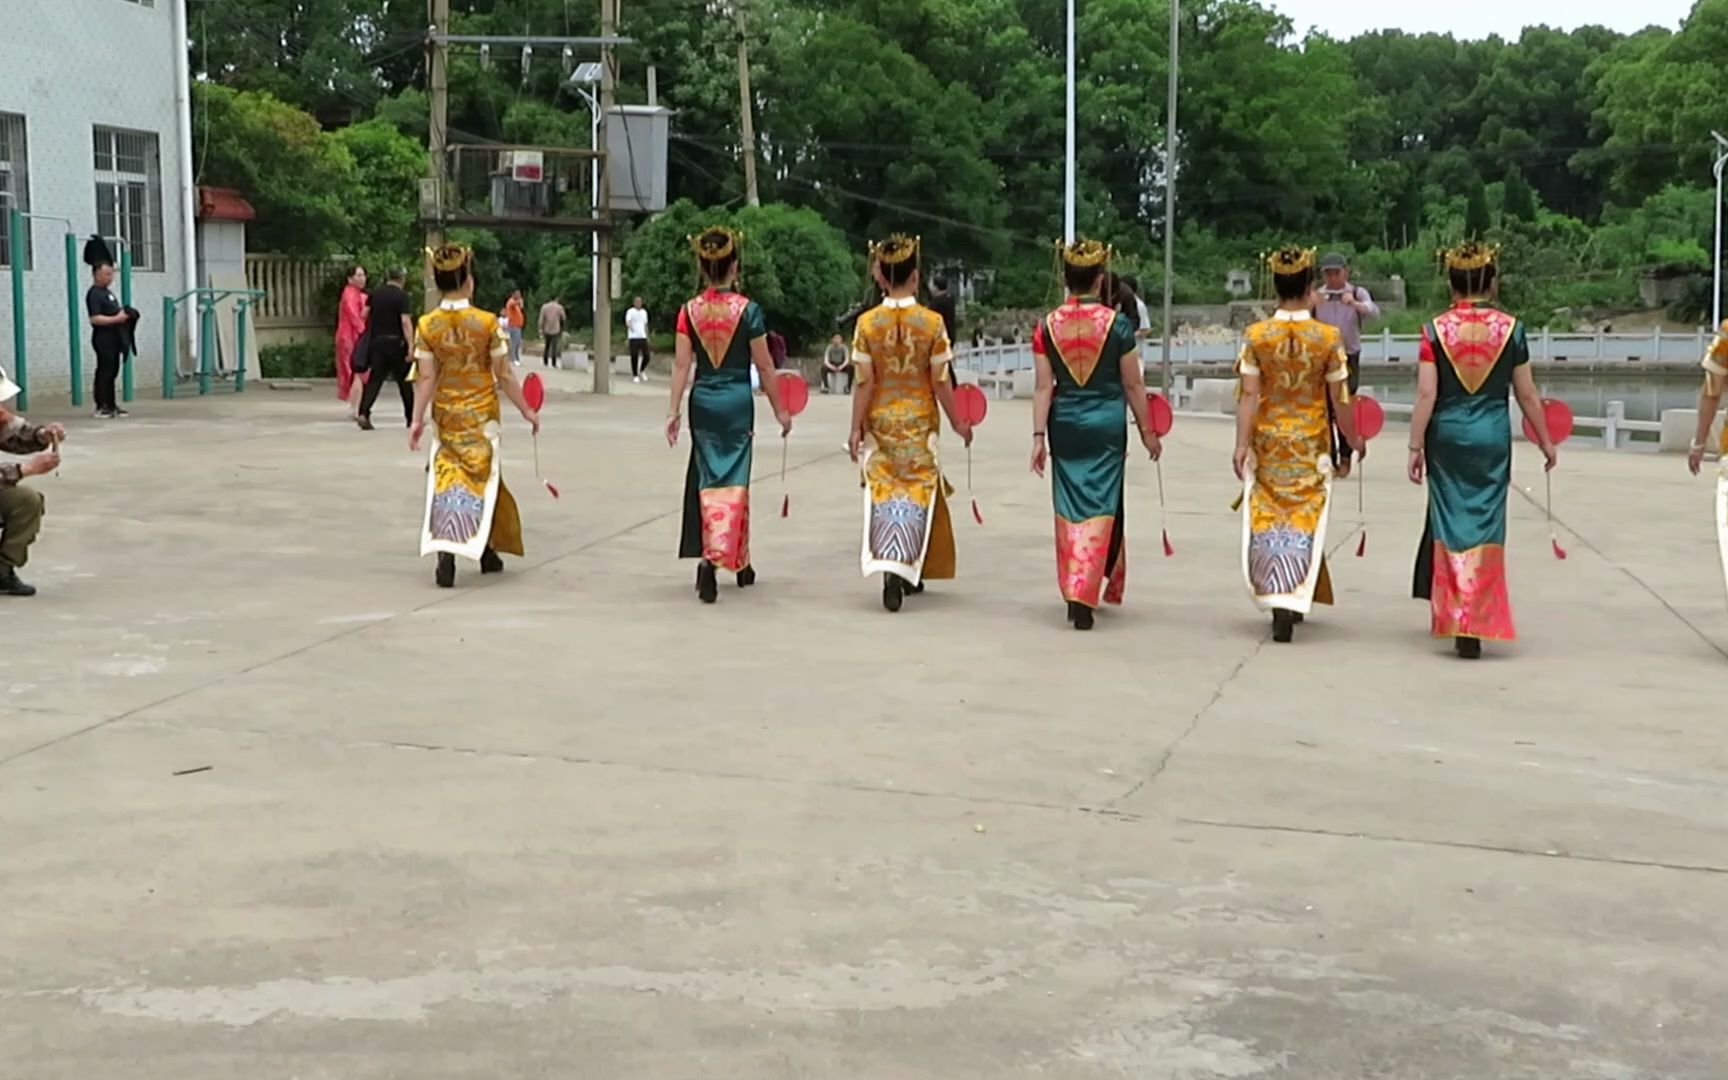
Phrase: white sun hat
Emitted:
{"points": [[8, 388]]}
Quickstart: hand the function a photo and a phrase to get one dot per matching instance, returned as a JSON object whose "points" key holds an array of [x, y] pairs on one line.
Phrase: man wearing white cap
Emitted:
{"points": [[21, 506]]}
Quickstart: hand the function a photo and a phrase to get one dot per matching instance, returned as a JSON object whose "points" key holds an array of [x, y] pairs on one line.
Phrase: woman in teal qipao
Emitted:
{"points": [[1471, 356], [721, 336], [1089, 378]]}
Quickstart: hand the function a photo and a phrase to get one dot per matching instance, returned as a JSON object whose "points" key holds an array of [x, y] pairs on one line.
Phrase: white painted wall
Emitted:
{"points": [[47, 74]]}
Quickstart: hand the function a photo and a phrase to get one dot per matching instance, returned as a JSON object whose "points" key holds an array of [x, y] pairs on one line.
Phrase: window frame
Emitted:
{"points": [[128, 192], [16, 186]]}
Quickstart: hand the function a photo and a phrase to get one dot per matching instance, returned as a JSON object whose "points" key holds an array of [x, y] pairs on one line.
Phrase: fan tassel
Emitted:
{"points": [[786, 506], [1362, 544], [1559, 552], [977, 514], [550, 487], [1169, 548]]}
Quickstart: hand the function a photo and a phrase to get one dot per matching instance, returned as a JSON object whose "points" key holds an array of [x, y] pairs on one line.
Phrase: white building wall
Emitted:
{"points": [[49, 73]]}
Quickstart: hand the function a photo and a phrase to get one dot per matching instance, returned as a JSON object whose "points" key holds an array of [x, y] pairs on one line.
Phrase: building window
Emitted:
{"points": [[129, 193], [14, 184], [144, 3]]}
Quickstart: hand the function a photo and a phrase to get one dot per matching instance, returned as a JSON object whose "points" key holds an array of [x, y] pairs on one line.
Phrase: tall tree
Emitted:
{"points": [[1477, 220]]}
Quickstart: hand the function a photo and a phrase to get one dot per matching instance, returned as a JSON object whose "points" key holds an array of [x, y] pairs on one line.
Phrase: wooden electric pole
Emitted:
{"points": [[603, 265], [437, 135], [746, 112]]}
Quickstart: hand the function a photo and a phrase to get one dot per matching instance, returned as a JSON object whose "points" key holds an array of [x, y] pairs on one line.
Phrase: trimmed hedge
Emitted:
{"points": [[299, 360]]}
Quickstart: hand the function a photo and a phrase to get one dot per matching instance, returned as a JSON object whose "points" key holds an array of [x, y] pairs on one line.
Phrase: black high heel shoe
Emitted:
{"points": [[446, 573], [490, 562], [1080, 615], [707, 587], [1283, 625], [746, 577], [1469, 648], [893, 592]]}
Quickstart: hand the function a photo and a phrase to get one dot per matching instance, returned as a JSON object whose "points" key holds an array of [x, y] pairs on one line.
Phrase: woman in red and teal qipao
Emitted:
{"points": [[1461, 438], [721, 335], [1089, 378]]}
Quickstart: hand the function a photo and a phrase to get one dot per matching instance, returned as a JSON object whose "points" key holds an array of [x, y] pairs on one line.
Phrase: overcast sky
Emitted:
{"points": [[1479, 18]]}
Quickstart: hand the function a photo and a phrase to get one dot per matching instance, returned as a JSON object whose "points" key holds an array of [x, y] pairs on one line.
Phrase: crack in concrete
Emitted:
{"points": [[1103, 811], [1530, 497], [1163, 761], [1217, 695], [1463, 845], [621, 763], [445, 596]]}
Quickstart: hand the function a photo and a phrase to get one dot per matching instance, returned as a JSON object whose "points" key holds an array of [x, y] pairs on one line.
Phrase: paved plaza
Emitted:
{"points": [[568, 823]]}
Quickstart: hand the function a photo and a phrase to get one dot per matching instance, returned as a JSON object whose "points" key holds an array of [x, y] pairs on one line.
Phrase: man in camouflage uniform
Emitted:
{"points": [[21, 506]]}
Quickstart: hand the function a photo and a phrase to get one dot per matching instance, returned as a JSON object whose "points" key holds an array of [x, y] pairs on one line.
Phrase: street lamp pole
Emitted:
{"points": [[1068, 164], [1716, 268]]}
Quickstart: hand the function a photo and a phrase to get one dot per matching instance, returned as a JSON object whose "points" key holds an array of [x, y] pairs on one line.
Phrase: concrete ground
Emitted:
{"points": [[569, 823]]}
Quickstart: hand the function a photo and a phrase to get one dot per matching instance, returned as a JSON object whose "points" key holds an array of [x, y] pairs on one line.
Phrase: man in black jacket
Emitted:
{"points": [[942, 303], [389, 332]]}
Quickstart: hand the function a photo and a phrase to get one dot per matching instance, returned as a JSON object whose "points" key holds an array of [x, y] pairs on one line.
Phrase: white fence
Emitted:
{"points": [[1654, 347]]}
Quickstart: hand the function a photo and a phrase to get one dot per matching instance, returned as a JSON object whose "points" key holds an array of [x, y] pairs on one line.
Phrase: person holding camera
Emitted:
{"points": [[1345, 307], [20, 505]]}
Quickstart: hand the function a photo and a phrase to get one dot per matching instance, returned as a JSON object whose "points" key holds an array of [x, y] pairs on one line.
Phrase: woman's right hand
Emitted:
{"points": [[1695, 459], [1418, 465], [414, 435], [673, 424], [1239, 462], [784, 419], [1040, 456], [1551, 456]]}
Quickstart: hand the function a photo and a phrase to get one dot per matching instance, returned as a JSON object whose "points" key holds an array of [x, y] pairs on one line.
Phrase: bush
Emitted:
{"points": [[298, 360]]}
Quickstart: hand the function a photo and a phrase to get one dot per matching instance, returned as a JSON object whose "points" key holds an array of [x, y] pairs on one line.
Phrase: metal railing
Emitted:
{"points": [[1546, 346], [207, 300], [1613, 429]]}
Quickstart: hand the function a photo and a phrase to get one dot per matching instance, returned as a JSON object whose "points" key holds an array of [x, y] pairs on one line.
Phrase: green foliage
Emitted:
{"points": [[795, 265], [1658, 97], [1519, 198], [1476, 219], [945, 118], [382, 204], [298, 360], [282, 162]]}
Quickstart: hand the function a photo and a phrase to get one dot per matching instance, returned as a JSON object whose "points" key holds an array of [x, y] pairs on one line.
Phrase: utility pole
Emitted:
{"points": [[746, 112], [603, 266], [437, 136], [1068, 148], [1170, 192]]}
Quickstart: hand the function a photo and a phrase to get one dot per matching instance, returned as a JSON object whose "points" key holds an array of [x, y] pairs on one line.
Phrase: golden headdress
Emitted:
{"points": [[1470, 255], [895, 250], [450, 257], [1290, 260], [1085, 254], [715, 243]]}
